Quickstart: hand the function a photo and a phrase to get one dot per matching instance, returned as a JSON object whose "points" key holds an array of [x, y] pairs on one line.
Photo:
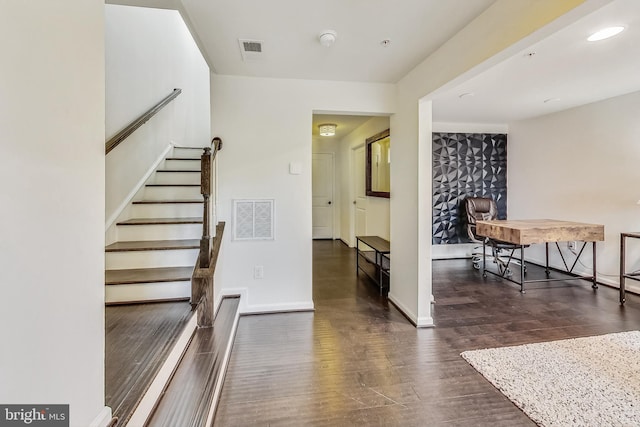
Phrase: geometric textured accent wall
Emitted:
{"points": [[466, 165]]}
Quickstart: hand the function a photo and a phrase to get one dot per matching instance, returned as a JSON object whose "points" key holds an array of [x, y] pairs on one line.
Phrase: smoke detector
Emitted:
{"points": [[327, 38]]}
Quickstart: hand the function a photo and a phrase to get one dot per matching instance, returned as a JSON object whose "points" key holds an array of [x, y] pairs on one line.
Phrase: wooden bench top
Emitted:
{"points": [[376, 243]]}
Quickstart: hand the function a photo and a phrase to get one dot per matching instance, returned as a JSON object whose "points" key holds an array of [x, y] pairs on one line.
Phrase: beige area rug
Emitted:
{"points": [[592, 381]]}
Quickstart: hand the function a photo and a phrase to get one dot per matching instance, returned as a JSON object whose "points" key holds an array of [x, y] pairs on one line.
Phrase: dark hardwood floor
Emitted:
{"points": [[138, 340], [358, 361]]}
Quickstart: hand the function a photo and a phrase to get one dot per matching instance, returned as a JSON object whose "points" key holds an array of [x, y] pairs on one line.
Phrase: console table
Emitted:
{"points": [[373, 259], [623, 274]]}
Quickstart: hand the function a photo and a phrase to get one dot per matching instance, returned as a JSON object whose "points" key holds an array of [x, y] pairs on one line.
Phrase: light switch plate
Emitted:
{"points": [[295, 168]]}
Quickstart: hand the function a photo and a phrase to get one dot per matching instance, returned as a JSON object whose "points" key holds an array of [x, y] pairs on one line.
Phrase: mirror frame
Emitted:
{"points": [[369, 141]]}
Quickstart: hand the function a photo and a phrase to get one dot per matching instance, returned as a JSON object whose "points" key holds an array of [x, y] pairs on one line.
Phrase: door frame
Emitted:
{"points": [[352, 193]]}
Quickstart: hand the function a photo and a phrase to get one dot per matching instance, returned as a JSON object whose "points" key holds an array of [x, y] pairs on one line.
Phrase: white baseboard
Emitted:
{"points": [[153, 394], [247, 308], [461, 250], [425, 322], [103, 418], [114, 216], [419, 322], [278, 308]]}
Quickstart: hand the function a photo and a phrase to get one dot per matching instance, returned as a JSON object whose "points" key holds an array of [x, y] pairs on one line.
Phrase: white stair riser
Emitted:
{"points": [[172, 193], [128, 233], [182, 164], [151, 259], [176, 178], [147, 291], [165, 210], [187, 152]]}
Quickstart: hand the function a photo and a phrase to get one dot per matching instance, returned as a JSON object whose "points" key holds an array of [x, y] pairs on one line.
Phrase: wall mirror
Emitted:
{"points": [[379, 164]]}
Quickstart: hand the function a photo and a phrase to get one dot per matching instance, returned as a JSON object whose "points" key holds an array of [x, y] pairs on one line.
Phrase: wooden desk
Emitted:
{"points": [[377, 256], [522, 233]]}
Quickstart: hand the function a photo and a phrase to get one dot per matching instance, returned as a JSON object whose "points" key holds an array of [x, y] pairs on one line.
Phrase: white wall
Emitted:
{"points": [[266, 124], [377, 212], [52, 179], [580, 165], [149, 52]]}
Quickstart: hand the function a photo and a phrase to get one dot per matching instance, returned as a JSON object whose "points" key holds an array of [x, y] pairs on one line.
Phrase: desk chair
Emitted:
{"points": [[485, 209]]}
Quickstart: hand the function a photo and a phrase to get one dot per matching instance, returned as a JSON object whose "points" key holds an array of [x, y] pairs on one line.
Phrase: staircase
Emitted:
{"points": [[157, 245]]}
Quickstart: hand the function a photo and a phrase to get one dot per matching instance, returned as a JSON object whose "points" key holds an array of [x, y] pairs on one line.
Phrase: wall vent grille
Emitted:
{"points": [[251, 49], [253, 219]]}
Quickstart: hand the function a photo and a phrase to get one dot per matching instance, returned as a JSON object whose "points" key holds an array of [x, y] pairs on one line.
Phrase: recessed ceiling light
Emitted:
{"points": [[548, 100], [605, 33], [466, 95]]}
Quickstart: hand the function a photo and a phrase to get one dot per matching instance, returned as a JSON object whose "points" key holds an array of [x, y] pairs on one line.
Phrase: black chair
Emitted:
{"points": [[485, 209]]}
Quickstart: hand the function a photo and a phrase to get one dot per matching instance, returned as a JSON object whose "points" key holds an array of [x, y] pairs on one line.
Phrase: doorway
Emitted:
{"points": [[323, 195]]}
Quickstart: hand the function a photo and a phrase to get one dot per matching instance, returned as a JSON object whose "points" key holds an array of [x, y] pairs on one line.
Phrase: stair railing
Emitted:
{"points": [[134, 125], [202, 280]]}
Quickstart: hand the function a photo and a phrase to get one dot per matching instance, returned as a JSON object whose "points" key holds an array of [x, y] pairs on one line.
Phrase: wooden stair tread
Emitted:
{"points": [[183, 158], [188, 396], [153, 221], [179, 170], [172, 185], [166, 202], [153, 245], [147, 275]]}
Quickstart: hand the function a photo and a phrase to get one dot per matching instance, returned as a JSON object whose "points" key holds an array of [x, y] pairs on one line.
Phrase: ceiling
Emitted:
{"points": [[289, 30], [564, 69]]}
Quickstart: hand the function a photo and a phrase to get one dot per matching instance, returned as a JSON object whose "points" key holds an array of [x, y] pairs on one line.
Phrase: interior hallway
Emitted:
{"points": [[358, 361]]}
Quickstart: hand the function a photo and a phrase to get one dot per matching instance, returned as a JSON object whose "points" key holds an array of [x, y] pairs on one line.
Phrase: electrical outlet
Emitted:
{"points": [[258, 272], [571, 246]]}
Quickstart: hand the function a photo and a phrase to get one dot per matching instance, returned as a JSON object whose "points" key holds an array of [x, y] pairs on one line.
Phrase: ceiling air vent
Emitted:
{"points": [[251, 49]]}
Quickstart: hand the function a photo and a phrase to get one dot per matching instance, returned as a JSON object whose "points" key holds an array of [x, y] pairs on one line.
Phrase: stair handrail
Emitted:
{"points": [[134, 125]]}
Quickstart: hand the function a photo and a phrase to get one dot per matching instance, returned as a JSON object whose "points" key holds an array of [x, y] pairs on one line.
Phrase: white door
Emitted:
{"points": [[359, 192], [322, 194]]}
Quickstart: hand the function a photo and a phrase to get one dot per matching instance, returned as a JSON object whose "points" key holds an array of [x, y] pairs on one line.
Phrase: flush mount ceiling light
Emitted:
{"points": [[327, 38], [605, 33], [327, 129]]}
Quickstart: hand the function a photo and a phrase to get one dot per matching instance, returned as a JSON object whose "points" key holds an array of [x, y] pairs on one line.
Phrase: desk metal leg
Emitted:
{"points": [[595, 279], [547, 259], [522, 269], [622, 269], [484, 259], [357, 258]]}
